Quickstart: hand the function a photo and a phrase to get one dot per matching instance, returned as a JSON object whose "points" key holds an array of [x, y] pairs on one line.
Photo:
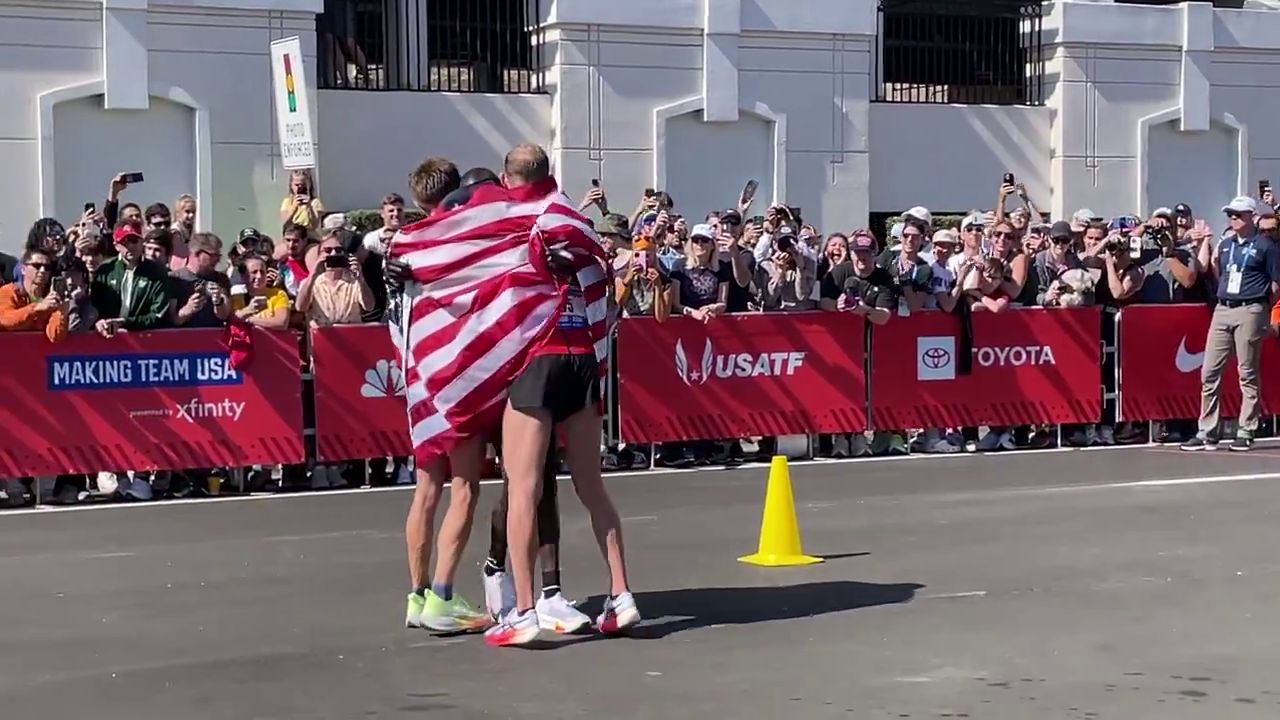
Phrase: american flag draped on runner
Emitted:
{"points": [[484, 299]]}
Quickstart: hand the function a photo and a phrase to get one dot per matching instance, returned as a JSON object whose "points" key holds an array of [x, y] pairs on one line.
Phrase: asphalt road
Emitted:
{"points": [[1063, 585]]}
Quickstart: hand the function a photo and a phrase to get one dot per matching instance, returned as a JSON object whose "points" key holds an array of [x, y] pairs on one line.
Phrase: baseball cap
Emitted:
{"points": [[972, 220], [945, 237], [1241, 204], [1082, 217], [1060, 229], [896, 231], [785, 231], [732, 217], [920, 213], [333, 221], [1019, 211], [249, 234], [862, 241], [1162, 212], [126, 230], [702, 230], [1182, 209], [614, 224]]}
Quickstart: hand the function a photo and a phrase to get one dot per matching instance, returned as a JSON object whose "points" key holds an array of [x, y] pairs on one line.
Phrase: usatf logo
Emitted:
{"points": [[774, 364]]}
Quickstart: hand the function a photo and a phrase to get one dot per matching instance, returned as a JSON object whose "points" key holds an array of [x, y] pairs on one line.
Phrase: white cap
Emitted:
{"points": [[896, 230], [1082, 217], [945, 236], [1019, 211], [702, 230], [334, 221], [1163, 212], [1241, 204], [972, 219], [920, 213]]}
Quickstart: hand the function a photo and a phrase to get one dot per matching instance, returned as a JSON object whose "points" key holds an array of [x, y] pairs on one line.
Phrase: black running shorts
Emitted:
{"points": [[560, 384]]}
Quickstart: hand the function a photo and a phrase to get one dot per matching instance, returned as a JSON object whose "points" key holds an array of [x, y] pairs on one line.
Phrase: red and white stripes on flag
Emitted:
{"points": [[484, 300]]}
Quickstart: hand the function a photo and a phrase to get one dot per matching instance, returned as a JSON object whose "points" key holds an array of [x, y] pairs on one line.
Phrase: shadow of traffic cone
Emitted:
{"points": [[779, 530]]}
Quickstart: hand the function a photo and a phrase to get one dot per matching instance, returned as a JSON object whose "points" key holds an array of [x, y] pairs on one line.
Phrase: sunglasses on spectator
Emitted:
{"points": [[39, 265], [701, 240], [973, 228], [1001, 234], [1234, 215], [1061, 240], [915, 235]]}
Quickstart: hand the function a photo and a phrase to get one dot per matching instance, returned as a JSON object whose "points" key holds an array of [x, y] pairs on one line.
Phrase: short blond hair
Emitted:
{"points": [[691, 255]]}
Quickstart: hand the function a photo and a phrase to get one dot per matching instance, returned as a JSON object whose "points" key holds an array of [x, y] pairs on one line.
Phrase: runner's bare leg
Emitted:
{"points": [[418, 526], [582, 451], [464, 461], [525, 437]]}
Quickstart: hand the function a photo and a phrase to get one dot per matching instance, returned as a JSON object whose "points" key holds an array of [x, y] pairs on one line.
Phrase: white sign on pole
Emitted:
{"points": [[293, 110]]}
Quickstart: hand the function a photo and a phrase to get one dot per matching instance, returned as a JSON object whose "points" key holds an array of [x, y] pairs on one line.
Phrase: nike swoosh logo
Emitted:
{"points": [[1187, 361]]}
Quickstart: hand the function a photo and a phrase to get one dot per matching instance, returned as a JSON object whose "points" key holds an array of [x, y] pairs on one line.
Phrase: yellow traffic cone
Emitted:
{"points": [[779, 531]]}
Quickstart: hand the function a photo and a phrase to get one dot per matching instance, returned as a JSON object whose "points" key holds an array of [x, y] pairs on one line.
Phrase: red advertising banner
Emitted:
{"points": [[167, 399], [1030, 365], [360, 404], [739, 375], [1161, 355]]}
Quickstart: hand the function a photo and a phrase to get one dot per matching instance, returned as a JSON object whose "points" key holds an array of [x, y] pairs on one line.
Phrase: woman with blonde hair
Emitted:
{"points": [[301, 206], [698, 290]]}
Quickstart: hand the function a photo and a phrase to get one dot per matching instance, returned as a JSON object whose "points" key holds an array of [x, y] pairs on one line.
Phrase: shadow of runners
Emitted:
{"points": [[672, 611]]}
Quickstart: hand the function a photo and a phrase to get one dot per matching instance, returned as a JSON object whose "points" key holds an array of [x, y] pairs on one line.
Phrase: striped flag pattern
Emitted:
{"points": [[483, 300]]}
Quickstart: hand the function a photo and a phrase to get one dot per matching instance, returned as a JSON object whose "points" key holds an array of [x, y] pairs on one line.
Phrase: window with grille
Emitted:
{"points": [[959, 51], [487, 46]]}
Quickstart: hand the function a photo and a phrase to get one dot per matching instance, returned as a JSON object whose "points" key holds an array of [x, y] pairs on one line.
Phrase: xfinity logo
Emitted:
{"points": [[936, 356], [193, 410], [735, 364], [1187, 361]]}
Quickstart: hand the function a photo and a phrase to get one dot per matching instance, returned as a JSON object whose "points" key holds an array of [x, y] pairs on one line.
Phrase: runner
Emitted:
{"points": [[435, 606], [560, 386], [555, 612]]}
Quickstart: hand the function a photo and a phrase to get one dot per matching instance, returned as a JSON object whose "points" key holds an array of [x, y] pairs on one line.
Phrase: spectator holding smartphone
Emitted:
{"points": [[301, 206], [201, 294], [264, 304], [336, 293], [642, 289], [130, 293], [785, 280], [34, 304], [82, 316]]}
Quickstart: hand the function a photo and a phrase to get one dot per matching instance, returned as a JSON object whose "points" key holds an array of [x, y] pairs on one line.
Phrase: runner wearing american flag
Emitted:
{"points": [[559, 385], [433, 606], [506, 296]]}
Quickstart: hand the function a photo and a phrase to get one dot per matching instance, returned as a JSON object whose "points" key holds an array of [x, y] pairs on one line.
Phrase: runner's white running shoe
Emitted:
{"points": [[515, 629], [499, 594], [619, 614], [559, 615]]}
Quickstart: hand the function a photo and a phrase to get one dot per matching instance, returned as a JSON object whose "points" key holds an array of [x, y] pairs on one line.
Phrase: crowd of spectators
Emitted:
{"points": [[126, 268]]}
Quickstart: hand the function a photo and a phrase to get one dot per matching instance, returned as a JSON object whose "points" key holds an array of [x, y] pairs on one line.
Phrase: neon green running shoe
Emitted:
{"points": [[451, 616], [413, 613]]}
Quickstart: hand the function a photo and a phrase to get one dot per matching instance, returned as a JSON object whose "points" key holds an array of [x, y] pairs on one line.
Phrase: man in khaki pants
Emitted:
{"points": [[1247, 265]]}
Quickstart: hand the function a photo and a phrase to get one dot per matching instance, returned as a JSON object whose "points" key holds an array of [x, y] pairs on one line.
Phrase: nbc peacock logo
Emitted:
{"points": [[384, 379]]}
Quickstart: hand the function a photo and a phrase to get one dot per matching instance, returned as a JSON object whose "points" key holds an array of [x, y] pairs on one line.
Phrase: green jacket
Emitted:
{"points": [[149, 304]]}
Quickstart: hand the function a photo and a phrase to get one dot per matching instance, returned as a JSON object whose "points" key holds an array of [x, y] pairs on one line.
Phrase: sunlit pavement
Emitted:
{"points": [[1137, 583]]}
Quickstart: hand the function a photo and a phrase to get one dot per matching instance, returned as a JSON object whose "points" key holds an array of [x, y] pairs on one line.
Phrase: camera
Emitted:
{"points": [[1115, 244], [335, 260], [1160, 235]]}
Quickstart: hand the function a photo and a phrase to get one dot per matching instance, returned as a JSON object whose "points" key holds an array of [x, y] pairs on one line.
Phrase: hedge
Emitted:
{"points": [[951, 222], [363, 221]]}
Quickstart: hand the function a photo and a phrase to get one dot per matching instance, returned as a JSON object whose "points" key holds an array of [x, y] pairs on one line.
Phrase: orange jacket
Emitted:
{"points": [[17, 312]]}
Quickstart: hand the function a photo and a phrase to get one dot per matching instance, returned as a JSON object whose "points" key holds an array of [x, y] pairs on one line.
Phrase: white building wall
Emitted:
{"points": [[368, 142], [1146, 106]]}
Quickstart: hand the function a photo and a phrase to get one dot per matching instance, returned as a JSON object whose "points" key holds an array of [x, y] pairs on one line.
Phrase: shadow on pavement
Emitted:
{"points": [[673, 611]]}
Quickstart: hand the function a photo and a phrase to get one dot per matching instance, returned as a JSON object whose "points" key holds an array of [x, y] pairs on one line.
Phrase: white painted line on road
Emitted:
{"points": [[640, 518], [1204, 480], [949, 596], [646, 473], [96, 556]]}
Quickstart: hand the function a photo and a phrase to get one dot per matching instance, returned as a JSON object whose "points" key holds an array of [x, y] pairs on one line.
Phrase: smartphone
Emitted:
{"points": [[749, 191], [60, 286], [595, 183], [642, 261], [90, 208], [1007, 179], [650, 192], [336, 260], [131, 178], [1201, 226], [1263, 186]]}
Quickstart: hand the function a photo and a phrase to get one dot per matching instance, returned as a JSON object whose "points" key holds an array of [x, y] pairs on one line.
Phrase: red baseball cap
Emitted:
{"points": [[126, 230]]}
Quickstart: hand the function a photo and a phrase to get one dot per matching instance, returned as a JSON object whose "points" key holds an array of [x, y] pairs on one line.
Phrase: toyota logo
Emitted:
{"points": [[935, 357]]}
